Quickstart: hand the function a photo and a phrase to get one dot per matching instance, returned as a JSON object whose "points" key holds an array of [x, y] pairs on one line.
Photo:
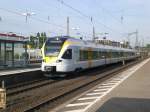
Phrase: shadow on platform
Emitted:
{"points": [[126, 105]]}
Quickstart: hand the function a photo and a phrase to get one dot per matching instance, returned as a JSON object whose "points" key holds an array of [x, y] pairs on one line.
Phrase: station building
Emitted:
{"points": [[13, 50]]}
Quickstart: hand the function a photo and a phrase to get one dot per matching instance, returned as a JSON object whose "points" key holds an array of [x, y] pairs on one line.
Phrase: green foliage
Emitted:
{"points": [[38, 40], [148, 45]]}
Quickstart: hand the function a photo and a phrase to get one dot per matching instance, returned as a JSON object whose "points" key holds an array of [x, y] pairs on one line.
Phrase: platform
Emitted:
{"points": [[133, 95], [16, 71], [12, 76], [129, 91]]}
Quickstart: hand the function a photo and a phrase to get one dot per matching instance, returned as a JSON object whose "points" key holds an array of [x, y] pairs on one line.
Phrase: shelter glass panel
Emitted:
{"points": [[19, 54], [2, 53]]}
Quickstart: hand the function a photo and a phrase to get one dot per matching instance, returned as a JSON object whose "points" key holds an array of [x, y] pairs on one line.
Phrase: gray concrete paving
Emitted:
{"points": [[133, 95]]}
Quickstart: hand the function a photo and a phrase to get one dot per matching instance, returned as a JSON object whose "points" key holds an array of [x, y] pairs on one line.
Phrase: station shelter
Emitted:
{"points": [[13, 50]]}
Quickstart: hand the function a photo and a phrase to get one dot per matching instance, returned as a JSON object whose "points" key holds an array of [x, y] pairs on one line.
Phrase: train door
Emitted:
{"points": [[103, 56]]}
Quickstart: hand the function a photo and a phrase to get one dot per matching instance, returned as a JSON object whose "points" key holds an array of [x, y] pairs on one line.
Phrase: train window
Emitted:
{"points": [[118, 54], [103, 54], [121, 54], [125, 54], [67, 54], [83, 55], [95, 55], [107, 54], [114, 54], [100, 55]]}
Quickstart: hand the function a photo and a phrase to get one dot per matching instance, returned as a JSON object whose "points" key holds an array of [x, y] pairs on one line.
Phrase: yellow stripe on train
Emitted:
{"points": [[50, 59]]}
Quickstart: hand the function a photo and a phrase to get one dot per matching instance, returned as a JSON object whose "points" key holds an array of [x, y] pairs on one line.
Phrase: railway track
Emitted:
{"points": [[28, 86], [41, 94]]}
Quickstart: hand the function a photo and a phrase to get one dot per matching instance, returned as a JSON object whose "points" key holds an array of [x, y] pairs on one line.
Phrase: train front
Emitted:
{"points": [[50, 53]]}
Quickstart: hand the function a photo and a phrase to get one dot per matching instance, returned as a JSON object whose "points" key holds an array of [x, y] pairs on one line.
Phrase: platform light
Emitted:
{"points": [[75, 28], [28, 14]]}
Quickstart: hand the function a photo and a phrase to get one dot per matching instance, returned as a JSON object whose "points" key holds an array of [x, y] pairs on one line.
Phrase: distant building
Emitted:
{"points": [[12, 50], [112, 43]]}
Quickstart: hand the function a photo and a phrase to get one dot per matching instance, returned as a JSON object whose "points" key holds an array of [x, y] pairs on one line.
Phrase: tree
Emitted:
{"points": [[42, 39], [148, 45], [32, 41], [38, 40]]}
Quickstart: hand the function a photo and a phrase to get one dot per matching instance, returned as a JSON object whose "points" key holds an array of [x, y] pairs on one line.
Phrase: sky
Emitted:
{"points": [[50, 17]]}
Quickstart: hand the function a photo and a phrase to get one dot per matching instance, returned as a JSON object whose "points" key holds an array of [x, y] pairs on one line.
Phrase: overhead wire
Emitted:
{"points": [[34, 18], [81, 13], [108, 12]]}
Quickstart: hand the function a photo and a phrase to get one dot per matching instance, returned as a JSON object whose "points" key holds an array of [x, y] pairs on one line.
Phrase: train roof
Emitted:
{"points": [[80, 42]]}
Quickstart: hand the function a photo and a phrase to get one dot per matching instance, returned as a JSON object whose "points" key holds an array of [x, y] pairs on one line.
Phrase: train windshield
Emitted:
{"points": [[53, 46]]}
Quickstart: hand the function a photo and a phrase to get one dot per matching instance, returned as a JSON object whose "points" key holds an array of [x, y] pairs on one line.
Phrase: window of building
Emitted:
{"points": [[67, 54]]}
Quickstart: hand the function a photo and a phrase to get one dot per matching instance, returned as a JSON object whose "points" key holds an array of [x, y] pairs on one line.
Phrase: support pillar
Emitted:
{"points": [[13, 63], [123, 62]]}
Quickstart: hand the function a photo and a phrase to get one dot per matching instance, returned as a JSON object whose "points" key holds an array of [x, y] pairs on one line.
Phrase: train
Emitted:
{"points": [[65, 54]]}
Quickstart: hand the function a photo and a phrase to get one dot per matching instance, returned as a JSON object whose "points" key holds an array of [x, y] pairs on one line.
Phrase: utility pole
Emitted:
{"points": [[93, 28], [93, 33], [67, 26], [136, 40], [0, 18]]}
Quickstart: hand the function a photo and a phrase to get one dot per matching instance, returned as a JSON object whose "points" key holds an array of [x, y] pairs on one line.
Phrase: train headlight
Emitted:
{"points": [[58, 61]]}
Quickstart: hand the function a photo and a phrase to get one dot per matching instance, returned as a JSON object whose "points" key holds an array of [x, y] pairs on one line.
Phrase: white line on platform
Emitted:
{"points": [[110, 83], [78, 104], [102, 90], [107, 84], [104, 87], [116, 80], [77, 110], [100, 93], [87, 98]]}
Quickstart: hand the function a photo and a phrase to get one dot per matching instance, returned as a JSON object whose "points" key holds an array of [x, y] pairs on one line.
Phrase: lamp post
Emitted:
{"points": [[28, 14]]}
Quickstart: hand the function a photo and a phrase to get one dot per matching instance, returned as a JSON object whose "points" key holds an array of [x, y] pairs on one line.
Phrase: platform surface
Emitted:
{"points": [[128, 91], [132, 95], [11, 71]]}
